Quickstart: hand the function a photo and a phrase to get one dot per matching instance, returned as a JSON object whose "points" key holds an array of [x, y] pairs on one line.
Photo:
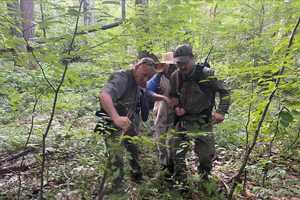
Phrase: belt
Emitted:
{"points": [[195, 117]]}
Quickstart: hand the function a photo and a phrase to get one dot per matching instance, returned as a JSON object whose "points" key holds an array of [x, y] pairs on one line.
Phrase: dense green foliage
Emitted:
{"points": [[250, 45]]}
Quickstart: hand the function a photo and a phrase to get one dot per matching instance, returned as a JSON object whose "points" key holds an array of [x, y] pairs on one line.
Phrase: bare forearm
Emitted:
{"points": [[158, 97], [107, 104]]}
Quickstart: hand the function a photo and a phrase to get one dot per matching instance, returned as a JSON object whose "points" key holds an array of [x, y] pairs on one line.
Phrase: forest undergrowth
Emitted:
{"points": [[75, 166]]}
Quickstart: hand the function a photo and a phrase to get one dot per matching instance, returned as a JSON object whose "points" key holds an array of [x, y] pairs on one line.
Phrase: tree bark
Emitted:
{"points": [[89, 17], [27, 14]]}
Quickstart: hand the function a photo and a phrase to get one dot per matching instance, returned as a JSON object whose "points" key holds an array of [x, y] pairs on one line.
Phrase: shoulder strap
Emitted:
{"points": [[178, 83]]}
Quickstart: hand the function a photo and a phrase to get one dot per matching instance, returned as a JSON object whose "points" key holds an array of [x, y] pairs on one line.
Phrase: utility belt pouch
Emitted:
{"points": [[104, 124]]}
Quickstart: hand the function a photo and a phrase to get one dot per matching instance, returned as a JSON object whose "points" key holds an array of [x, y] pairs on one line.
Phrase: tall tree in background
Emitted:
{"points": [[27, 13], [88, 10]]}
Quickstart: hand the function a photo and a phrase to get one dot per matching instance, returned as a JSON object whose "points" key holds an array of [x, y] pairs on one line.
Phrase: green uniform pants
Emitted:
{"points": [[202, 135], [115, 149]]}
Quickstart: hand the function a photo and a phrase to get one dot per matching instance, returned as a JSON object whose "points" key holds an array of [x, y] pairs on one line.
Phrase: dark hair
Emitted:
{"points": [[147, 60], [147, 54]]}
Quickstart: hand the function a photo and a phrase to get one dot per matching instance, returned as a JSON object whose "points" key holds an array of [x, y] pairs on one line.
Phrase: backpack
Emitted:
{"points": [[198, 96]]}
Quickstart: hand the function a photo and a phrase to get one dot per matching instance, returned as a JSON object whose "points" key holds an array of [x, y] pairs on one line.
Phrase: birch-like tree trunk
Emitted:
{"points": [[27, 14], [88, 10]]}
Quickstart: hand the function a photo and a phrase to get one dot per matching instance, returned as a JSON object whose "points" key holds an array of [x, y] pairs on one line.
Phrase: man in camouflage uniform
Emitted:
{"points": [[194, 115], [120, 100]]}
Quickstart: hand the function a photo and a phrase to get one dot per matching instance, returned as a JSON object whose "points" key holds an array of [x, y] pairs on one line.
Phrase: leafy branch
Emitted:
{"points": [[262, 118], [66, 65]]}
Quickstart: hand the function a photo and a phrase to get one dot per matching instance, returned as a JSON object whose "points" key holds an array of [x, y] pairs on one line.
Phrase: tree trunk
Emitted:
{"points": [[27, 13], [89, 17]]}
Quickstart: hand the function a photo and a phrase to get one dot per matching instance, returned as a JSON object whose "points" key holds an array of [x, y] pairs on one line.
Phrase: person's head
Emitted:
{"points": [[147, 54], [143, 70], [184, 58], [167, 60]]}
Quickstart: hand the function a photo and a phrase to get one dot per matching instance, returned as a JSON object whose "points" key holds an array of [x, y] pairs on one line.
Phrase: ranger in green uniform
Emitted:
{"points": [[194, 100], [120, 100]]}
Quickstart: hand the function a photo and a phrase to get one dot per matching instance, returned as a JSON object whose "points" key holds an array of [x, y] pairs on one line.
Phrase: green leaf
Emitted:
{"points": [[286, 118]]}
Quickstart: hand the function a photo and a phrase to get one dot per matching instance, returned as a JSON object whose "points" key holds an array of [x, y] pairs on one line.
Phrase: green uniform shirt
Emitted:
{"points": [[125, 94], [197, 97]]}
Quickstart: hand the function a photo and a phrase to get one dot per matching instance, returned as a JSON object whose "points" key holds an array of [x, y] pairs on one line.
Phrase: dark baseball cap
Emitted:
{"points": [[183, 53]]}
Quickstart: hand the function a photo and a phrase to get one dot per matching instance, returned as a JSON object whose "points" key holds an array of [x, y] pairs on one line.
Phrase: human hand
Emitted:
{"points": [[168, 101], [217, 118], [179, 111], [122, 122]]}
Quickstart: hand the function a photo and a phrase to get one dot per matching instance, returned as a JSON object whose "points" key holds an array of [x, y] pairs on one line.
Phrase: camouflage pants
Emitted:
{"points": [[115, 149], [202, 135]]}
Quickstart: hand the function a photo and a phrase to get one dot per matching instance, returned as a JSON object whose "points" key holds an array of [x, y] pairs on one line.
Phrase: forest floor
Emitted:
{"points": [[75, 165]]}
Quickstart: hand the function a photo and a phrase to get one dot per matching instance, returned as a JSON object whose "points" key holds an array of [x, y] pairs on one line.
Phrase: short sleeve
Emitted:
{"points": [[116, 85]]}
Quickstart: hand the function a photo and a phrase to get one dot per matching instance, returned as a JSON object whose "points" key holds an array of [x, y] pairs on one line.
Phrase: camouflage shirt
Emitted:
{"points": [[125, 94], [197, 97]]}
